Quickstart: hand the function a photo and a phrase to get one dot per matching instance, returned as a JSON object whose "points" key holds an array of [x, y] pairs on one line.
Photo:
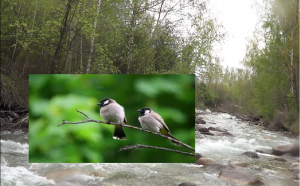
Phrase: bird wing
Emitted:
{"points": [[161, 120]]}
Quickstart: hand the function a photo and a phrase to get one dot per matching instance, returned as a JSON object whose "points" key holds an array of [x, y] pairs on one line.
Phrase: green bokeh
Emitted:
{"points": [[53, 98]]}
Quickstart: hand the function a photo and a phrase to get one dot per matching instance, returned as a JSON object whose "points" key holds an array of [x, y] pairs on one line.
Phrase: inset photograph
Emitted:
{"points": [[111, 118]]}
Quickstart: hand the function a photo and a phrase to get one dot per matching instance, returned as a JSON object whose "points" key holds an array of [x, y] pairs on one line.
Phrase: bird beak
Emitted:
{"points": [[100, 104], [139, 110]]}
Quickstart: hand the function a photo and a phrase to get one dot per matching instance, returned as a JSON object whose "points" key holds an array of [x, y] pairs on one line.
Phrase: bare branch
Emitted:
{"points": [[88, 120], [139, 146]]}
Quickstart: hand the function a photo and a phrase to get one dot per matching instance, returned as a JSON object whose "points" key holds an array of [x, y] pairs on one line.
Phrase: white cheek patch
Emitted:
{"points": [[106, 102], [147, 111]]}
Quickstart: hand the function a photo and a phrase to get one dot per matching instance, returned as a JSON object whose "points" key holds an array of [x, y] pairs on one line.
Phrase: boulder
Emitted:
{"points": [[239, 177], [283, 149], [197, 156], [250, 154], [204, 161]]}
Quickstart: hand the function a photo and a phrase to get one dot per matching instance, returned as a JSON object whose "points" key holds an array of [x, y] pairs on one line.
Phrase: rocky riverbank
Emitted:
{"points": [[16, 119]]}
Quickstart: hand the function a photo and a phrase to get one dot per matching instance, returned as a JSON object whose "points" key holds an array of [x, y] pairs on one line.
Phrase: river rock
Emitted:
{"points": [[294, 166], [283, 149], [198, 111], [207, 111], [203, 129], [199, 120], [264, 151], [217, 167], [225, 134], [250, 154], [207, 133], [280, 159], [217, 129], [187, 184], [197, 156], [64, 175], [238, 164], [239, 177], [204, 161]]}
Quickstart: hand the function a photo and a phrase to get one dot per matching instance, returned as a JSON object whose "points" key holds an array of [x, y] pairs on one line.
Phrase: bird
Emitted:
{"points": [[152, 121], [112, 112]]}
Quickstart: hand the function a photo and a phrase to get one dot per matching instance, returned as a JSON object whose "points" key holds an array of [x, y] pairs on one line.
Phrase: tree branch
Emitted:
{"points": [[88, 120], [139, 146]]}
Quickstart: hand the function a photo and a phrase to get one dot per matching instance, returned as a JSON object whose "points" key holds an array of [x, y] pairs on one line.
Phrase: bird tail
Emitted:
{"points": [[174, 142], [119, 133]]}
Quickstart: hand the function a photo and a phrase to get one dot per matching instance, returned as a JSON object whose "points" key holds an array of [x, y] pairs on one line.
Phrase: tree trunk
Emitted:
{"points": [[88, 67], [63, 32]]}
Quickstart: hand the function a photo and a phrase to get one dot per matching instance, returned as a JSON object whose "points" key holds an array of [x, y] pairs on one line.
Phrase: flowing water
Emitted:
{"points": [[15, 169], [246, 137]]}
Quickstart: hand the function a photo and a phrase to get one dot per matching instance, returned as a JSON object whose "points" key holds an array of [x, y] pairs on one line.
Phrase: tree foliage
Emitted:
{"points": [[108, 36], [269, 83]]}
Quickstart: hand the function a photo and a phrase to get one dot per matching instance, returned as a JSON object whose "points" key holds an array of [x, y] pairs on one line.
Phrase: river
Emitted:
{"points": [[247, 137], [15, 169]]}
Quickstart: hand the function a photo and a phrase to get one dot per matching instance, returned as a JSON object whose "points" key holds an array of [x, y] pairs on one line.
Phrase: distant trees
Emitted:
{"points": [[269, 83], [105, 36]]}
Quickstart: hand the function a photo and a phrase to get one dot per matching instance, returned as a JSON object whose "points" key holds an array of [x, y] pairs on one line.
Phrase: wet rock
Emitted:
{"points": [[212, 122], [264, 151], [207, 133], [239, 177], [207, 111], [187, 184], [295, 150], [203, 129], [217, 129], [225, 134], [250, 154], [65, 175], [197, 156], [238, 164], [204, 161], [199, 120], [294, 166], [283, 149], [217, 167], [280, 159], [198, 111]]}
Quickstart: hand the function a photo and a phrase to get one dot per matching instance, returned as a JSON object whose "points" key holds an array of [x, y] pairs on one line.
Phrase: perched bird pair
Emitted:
{"points": [[112, 112]]}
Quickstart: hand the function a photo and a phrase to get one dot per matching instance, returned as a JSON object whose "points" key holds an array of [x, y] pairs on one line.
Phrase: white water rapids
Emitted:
{"points": [[246, 137], [16, 171]]}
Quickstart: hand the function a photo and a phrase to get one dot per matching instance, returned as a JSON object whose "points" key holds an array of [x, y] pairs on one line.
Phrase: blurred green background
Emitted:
{"points": [[53, 98]]}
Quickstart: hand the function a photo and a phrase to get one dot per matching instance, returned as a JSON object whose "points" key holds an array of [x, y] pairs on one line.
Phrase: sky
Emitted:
{"points": [[239, 18]]}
